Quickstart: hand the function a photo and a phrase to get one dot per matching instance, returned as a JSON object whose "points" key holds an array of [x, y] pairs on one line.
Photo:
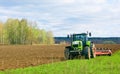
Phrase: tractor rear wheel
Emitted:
{"points": [[93, 49], [67, 53], [93, 55], [87, 52]]}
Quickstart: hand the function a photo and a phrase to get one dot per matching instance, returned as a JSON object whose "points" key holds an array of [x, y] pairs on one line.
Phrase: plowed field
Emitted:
{"points": [[113, 47], [20, 56]]}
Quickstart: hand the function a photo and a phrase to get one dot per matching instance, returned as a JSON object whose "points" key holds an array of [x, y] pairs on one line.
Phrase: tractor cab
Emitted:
{"points": [[81, 37], [79, 41]]}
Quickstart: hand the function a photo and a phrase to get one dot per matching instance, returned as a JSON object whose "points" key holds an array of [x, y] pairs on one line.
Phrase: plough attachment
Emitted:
{"points": [[103, 51]]}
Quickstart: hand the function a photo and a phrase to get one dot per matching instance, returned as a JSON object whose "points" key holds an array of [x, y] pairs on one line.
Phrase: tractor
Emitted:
{"points": [[80, 46]]}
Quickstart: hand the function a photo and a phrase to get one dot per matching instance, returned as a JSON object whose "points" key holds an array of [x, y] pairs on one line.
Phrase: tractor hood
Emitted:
{"points": [[77, 44]]}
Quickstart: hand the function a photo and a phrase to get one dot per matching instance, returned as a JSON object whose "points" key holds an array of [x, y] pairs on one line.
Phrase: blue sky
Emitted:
{"points": [[100, 17]]}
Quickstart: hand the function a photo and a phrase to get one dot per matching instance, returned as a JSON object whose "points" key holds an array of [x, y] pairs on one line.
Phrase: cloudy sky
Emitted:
{"points": [[100, 17]]}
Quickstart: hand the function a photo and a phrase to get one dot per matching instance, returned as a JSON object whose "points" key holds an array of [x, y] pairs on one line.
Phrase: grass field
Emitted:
{"points": [[99, 65]]}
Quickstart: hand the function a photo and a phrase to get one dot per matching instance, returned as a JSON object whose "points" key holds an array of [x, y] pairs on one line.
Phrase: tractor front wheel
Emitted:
{"points": [[67, 53]]}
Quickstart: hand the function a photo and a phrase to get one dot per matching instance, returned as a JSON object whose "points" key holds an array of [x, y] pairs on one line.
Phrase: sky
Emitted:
{"points": [[63, 17]]}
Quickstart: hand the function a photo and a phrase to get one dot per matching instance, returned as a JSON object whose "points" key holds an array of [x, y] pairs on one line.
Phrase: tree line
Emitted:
{"points": [[15, 31]]}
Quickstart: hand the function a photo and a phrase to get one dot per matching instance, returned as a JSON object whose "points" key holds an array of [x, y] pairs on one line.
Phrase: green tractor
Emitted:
{"points": [[80, 46]]}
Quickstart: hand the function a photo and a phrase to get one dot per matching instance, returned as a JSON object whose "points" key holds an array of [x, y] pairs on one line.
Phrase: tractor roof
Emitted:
{"points": [[81, 34]]}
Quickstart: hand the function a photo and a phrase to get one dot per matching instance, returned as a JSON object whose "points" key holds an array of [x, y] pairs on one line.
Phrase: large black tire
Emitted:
{"points": [[67, 53], [93, 55], [92, 50], [87, 52]]}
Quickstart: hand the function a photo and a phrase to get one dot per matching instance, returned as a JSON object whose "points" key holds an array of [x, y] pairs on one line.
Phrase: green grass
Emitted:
{"points": [[99, 65]]}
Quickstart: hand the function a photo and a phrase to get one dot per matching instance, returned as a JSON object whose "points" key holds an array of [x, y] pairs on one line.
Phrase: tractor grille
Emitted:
{"points": [[75, 45]]}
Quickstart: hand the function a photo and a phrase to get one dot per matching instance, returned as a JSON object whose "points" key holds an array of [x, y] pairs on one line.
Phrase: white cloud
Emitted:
{"points": [[99, 1], [69, 1], [91, 1], [100, 17], [66, 1]]}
